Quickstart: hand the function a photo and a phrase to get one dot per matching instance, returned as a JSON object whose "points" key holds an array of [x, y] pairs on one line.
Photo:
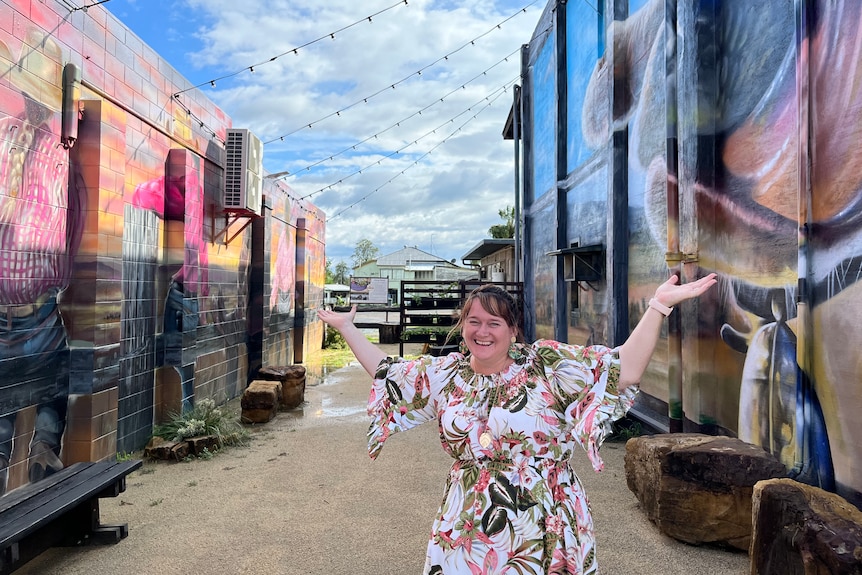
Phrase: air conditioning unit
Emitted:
{"points": [[243, 186]]}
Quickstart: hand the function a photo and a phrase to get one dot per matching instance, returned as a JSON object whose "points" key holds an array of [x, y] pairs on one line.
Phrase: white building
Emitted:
{"points": [[411, 263]]}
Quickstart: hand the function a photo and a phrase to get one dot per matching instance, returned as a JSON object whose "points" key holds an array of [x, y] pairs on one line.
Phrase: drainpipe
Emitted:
{"points": [[803, 295], [516, 136], [561, 327], [673, 257], [528, 289]]}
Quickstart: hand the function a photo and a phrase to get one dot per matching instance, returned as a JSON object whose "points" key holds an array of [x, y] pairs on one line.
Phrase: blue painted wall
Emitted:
{"points": [[746, 95]]}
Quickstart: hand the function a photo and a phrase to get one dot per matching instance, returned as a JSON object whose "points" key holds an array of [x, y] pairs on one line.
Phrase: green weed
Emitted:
{"points": [[205, 418]]}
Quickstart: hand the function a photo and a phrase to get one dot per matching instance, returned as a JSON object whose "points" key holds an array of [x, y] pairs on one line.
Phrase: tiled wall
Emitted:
{"points": [[122, 297]]}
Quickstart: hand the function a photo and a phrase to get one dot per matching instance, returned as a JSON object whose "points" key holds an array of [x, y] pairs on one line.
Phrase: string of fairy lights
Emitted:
{"points": [[418, 72], [295, 51], [489, 98], [71, 7], [176, 97], [423, 156], [397, 124], [364, 100]]}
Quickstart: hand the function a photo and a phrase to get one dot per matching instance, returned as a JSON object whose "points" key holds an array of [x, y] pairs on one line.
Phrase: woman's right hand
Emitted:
{"points": [[336, 319], [368, 354]]}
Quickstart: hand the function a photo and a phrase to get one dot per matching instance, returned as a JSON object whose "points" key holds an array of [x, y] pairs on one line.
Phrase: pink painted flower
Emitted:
{"points": [[554, 524], [484, 480]]}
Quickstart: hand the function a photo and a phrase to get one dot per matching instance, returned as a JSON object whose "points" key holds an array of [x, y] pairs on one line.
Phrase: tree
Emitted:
{"points": [[330, 277], [506, 230], [365, 252], [342, 272]]}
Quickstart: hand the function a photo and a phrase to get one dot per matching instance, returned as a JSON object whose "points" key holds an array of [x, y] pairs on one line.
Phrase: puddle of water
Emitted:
{"points": [[319, 373], [323, 399], [330, 410]]}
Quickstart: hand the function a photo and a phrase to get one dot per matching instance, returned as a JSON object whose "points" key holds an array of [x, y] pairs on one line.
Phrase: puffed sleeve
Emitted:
{"points": [[400, 399], [584, 382]]}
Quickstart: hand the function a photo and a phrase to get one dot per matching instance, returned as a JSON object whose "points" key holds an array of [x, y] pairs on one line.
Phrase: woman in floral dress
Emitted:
{"points": [[511, 415]]}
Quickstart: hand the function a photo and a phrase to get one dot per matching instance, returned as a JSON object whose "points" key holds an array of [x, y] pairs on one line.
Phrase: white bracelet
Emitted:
{"points": [[660, 307]]}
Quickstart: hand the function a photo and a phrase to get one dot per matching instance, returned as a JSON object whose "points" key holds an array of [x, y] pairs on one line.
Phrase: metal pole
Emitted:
{"points": [[673, 256]]}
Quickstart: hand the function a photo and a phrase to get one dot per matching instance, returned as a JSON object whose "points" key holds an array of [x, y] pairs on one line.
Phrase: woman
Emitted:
{"points": [[511, 414]]}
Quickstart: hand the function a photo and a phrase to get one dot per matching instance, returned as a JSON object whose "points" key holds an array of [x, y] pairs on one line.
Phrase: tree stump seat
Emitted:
{"points": [[260, 401], [698, 488], [292, 378], [799, 528]]}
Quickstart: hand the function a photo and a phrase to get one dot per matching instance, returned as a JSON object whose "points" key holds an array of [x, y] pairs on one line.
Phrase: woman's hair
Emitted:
{"points": [[496, 301]]}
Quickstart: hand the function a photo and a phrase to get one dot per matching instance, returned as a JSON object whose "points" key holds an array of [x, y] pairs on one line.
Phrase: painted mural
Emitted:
{"points": [[126, 294], [37, 213], [284, 263], [761, 91], [282, 294]]}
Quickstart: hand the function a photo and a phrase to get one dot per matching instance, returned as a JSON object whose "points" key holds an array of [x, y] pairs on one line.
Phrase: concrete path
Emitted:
{"points": [[305, 499]]}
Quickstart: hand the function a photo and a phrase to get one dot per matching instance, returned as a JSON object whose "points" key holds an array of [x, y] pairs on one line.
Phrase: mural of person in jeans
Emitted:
{"points": [[39, 234], [177, 198]]}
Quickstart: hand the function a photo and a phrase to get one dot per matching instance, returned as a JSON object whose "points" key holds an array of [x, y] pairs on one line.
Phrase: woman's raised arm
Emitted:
{"points": [[636, 352], [368, 354]]}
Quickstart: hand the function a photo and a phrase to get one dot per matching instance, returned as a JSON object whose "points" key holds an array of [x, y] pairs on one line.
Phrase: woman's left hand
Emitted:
{"points": [[670, 294]]}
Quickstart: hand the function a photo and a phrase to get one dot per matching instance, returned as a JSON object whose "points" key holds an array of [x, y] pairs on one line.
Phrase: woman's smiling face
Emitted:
{"points": [[488, 338]]}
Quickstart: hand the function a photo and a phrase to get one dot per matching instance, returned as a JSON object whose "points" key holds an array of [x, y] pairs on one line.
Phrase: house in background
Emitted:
{"points": [[336, 294], [411, 263], [494, 259]]}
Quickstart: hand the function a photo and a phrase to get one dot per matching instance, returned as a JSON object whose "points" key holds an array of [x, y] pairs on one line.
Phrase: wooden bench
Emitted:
{"points": [[62, 509]]}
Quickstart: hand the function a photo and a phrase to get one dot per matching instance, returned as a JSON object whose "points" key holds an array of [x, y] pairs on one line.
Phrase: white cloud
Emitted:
{"points": [[446, 201]]}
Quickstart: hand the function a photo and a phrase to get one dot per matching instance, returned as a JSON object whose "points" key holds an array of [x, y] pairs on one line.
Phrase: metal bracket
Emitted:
{"points": [[673, 259], [230, 218]]}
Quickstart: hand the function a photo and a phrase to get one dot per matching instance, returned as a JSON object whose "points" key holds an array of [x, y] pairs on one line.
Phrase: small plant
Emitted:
{"points": [[155, 502], [203, 419], [124, 456], [625, 428], [438, 331], [333, 339], [147, 470], [192, 483]]}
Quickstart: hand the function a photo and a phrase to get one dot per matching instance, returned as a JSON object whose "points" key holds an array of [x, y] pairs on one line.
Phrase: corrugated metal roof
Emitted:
{"points": [[487, 247], [409, 255]]}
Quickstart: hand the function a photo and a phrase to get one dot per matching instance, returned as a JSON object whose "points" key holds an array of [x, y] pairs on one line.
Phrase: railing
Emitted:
{"points": [[429, 310]]}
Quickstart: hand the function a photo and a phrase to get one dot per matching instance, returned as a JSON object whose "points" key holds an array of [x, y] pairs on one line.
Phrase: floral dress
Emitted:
{"points": [[512, 504]]}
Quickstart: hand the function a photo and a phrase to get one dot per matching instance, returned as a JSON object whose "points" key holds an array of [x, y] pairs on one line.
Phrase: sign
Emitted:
{"points": [[369, 290]]}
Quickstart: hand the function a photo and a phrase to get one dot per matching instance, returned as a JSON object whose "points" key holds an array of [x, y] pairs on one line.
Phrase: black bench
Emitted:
{"points": [[62, 509]]}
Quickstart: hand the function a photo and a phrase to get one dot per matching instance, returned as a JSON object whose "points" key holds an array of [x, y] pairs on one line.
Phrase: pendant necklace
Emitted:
{"points": [[491, 397]]}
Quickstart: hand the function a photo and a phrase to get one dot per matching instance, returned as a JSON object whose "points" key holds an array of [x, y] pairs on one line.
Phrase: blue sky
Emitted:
{"points": [[435, 179]]}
